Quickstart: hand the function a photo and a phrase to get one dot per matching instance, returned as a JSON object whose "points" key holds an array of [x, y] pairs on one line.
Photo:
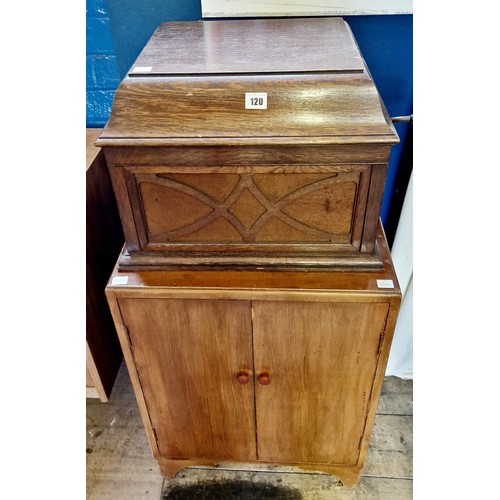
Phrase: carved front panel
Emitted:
{"points": [[236, 207]]}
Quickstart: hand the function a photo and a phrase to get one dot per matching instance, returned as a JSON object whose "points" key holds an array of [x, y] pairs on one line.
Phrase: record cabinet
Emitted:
{"points": [[255, 298]]}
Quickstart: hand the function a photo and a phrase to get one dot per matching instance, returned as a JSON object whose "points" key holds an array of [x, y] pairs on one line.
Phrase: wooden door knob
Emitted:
{"points": [[264, 379], [243, 377]]}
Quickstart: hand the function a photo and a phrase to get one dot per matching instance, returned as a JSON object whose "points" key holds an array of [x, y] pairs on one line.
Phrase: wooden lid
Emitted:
{"points": [[249, 46], [260, 82]]}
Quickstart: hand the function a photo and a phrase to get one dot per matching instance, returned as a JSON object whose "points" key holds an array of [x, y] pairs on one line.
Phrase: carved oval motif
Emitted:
{"points": [[167, 209], [329, 208]]}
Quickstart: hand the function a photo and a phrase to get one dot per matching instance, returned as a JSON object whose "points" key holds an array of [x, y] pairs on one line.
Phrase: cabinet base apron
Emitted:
{"points": [[348, 475]]}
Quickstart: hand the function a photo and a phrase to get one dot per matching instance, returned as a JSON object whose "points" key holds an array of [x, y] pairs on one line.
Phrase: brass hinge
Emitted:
{"points": [[155, 435], [361, 440], [382, 336], [128, 335], [380, 341]]}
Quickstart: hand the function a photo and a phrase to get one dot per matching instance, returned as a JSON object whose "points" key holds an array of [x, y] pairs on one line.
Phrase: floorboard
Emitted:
{"points": [[120, 465]]}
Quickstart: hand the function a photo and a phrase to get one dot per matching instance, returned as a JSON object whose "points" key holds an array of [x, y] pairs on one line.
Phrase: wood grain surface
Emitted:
{"points": [[259, 284], [248, 158], [302, 207], [301, 107], [297, 184], [120, 464], [255, 46], [321, 342], [92, 151], [190, 81], [321, 360], [314, 216], [104, 240], [188, 355]]}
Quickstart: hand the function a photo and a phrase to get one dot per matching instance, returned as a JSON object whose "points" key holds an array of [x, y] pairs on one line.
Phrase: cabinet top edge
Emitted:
{"points": [[114, 141]]}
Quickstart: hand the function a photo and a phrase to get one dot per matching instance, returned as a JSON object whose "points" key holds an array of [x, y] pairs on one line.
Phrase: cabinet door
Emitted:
{"points": [[188, 354], [321, 360]]}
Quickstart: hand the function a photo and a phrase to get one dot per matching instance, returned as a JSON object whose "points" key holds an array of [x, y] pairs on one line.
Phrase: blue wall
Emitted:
{"points": [[117, 30], [102, 67], [386, 43]]}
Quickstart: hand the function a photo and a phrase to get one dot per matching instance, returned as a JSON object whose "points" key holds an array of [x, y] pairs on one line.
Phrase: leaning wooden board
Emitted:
{"points": [[104, 238]]}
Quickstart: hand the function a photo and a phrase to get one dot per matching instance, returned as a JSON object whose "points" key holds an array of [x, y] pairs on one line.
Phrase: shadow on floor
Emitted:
{"points": [[229, 490]]}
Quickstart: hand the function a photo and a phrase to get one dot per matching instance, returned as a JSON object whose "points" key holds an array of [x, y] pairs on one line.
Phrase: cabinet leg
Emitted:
{"points": [[348, 476], [170, 467]]}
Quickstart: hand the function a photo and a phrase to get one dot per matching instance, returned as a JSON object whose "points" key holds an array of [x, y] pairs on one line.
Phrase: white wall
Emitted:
{"points": [[242, 8], [400, 361]]}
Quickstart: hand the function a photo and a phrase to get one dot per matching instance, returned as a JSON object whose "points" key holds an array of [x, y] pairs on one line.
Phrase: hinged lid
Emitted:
{"points": [[252, 46], [267, 81]]}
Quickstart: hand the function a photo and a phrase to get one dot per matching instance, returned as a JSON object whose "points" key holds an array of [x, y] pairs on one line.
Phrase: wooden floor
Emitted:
{"points": [[120, 465]]}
